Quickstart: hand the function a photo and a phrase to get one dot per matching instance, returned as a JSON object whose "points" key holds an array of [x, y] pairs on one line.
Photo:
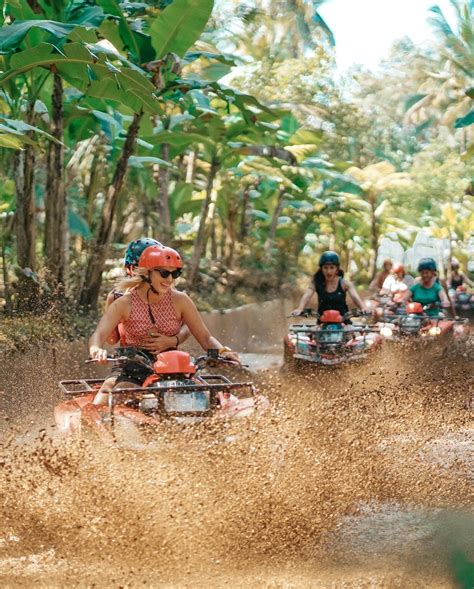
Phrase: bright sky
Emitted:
{"points": [[365, 29]]}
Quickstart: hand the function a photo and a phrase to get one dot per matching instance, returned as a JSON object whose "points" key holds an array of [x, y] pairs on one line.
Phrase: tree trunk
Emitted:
{"points": [[274, 223], [25, 228], [96, 262], [374, 236], [92, 187], [200, 242], [190, 168], [162, 178], [243, 230], [231, 233], [25, 223], [213, 236], [6, 279], [55, 228]]}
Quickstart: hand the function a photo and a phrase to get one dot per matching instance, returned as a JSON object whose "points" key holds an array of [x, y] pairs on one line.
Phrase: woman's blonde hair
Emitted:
{"points": [[139, 275]]}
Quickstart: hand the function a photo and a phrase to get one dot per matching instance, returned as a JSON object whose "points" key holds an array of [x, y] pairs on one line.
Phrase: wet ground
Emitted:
{"points": [[357, 477]]}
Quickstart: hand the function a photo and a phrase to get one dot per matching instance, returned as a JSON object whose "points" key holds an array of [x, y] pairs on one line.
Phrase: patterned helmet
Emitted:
{"points": [[427, 264], [329, 257], [159, 255], [135, 249]]}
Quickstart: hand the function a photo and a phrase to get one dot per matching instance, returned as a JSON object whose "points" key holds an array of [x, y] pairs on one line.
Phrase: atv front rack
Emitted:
{"points": [[158, 390], [92, 385]]}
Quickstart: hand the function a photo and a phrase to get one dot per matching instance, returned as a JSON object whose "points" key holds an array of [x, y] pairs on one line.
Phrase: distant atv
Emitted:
{"points": [[401, 321], [172, 392], [330, 340], [463, 300]]}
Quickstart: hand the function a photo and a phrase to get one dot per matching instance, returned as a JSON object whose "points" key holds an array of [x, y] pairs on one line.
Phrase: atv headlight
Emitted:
{"points": [[386, 331], [193, 402], [435, 330], [411, 322], [327, 336]]}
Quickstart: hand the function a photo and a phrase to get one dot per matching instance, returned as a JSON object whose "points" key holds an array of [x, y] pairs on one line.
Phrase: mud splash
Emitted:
{"points": [[339, 485]]}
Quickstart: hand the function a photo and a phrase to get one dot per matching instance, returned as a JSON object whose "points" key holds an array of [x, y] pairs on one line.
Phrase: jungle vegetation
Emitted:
{"points": [[222, 129]]}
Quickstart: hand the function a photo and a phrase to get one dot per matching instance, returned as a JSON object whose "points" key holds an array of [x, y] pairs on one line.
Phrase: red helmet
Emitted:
{"points": [[159, 255], [331, 316], [174, 362], [398, 268]]}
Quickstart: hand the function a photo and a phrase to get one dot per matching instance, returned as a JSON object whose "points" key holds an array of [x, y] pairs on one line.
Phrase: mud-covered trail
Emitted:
{"points": [[359, 476]]}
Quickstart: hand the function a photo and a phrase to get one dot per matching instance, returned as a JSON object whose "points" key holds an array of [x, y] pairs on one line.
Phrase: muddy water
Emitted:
{"points": [[356, 477]]}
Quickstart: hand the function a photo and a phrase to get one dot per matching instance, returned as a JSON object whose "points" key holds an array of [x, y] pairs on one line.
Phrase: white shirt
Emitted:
{"points": [[392, 284]]}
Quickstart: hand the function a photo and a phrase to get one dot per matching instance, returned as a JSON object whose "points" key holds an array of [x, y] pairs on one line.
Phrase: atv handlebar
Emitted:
{"points": [[313, 313], [214, 356]]}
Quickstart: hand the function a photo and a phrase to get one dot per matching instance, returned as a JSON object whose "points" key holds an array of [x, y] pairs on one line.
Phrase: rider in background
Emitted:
{"points": [[158, 342], [457, 278], [397, 281], [330, 286], [428, 291], [150, 303], [377, 282]]}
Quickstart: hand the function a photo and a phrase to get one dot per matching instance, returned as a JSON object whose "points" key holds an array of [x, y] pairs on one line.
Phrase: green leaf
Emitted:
{"points": [[179, 26], [411, 100], [464, 121], [128, 37], [12, 35], [11, 141], [290, 124], [214, 72], [224, 58], [91, 73], [177, 139], [138, 161], [318, 19], [261, 215], [182, 202], [89, 16], [305, 137], [110, 126], [78, 225], [21, 10], [20, 127]]}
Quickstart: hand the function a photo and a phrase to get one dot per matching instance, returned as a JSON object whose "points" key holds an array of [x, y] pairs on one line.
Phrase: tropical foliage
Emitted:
{"points": [[225, 132]]}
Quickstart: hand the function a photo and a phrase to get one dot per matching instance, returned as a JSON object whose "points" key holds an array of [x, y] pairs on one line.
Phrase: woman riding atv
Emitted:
{"points": [[150, 305], [428, 291], [330, 286], [457, 278], [157, 342], [398, 281]]}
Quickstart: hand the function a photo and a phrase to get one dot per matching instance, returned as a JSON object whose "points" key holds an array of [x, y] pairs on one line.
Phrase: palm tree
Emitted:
{"points": [[446, 94]]}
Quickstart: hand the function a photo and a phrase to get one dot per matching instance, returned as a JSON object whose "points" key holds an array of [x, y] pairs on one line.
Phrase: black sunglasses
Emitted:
{"points": [[165, 273]]}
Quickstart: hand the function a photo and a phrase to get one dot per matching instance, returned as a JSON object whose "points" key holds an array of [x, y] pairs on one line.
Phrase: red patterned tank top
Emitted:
{"points": [[139, 323]]}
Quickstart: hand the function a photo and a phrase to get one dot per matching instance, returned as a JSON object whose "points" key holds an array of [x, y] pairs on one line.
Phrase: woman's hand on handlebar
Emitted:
{"points": [[230, 355], [98, 354]]}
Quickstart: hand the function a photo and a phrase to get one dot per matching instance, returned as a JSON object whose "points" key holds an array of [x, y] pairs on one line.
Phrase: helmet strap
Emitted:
{"points": [[147, 279], [150, 312]]}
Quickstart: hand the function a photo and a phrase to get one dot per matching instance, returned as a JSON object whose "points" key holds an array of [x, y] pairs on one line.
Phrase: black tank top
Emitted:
{"points": [[456, 281], [332, 300]]}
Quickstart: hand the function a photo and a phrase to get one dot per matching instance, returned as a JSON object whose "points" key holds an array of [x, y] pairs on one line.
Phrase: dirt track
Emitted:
{"points": [[357, 477]]}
